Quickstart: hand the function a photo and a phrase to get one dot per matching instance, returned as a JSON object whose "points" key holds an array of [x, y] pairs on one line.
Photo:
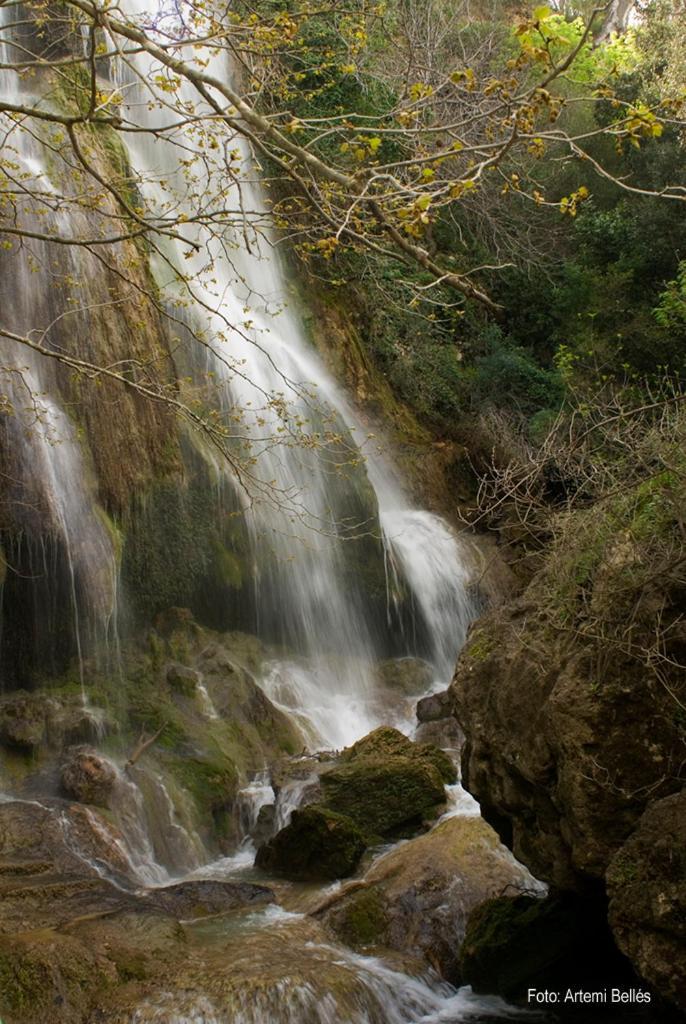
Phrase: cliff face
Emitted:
{"points": [[575, 731]]}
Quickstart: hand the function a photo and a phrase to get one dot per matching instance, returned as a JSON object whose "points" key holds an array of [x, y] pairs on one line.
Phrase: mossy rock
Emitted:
{"points": [[45, 977], [23, 721], [386, 783], [317, 845]]}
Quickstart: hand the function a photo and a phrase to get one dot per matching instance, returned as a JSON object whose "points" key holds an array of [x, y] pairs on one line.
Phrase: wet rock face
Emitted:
{"points": [[646, 883], [417, 898], [88, 777], [318, 844], [69, 937], [409, 676]]}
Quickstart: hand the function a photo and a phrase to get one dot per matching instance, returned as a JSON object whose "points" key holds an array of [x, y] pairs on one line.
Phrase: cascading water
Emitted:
{"points": [[297, 422], [59, 539]]}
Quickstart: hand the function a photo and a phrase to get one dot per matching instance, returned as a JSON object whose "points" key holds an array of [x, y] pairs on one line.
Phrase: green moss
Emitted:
{"points": [[363, 921], [386, 783], [213, 783], [481, 647], [318, 844]]}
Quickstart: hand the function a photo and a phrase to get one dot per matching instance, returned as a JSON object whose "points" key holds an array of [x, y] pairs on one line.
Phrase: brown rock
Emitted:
{"points": [[646, 883], [88, 777]]}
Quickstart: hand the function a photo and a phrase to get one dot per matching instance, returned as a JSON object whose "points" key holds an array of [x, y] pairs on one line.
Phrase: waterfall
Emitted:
{"points": [[59, 538], [294, 420]]}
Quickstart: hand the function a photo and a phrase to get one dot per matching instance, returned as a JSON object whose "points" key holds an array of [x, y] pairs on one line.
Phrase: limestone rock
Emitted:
{"points": [[88, 777], [318, 844], [646, 883], [563, 762], [434, 707], [417, 898]]}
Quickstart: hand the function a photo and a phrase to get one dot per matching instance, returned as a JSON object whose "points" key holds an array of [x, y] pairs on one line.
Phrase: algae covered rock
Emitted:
{"points": [[88, 777], [646, 883], [318, 844], [183, 679], [387, 783]]}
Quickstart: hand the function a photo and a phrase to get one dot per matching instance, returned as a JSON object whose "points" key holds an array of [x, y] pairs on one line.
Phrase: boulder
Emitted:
{"points": [[88, 777], [201, 898], [563, 762], [68, 837], [646, 882], [386, 783], [434, 707], [417, 898], [318, 844]]}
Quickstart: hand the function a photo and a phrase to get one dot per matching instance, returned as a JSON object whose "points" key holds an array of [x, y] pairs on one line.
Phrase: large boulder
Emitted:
{"points": [[417, 898], [318, 844], [646, 883], [386, 783], [88, 777]]}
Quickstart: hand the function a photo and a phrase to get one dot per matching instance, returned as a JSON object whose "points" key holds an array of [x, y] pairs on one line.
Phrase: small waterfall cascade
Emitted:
{"points": [[62, 541]]}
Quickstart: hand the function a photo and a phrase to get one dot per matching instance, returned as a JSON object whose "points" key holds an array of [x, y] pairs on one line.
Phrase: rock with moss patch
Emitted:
{"points": [[386, 783], [183, 679], [88, 777], [417, 898], [318, 844]]}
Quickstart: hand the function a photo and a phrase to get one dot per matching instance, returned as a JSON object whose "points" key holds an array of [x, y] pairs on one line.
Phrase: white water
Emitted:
{"points": [[296, 420]]}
